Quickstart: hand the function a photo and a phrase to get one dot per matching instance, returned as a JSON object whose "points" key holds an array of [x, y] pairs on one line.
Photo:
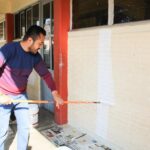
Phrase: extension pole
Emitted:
{"points": [[46, 102]]}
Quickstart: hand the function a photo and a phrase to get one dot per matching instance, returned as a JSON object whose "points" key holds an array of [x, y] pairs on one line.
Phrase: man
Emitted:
{"points": [[17, 60]]}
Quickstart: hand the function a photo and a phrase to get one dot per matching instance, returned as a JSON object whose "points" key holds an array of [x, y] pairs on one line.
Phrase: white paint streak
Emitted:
{"points": [[105, 82], [105, 79]]}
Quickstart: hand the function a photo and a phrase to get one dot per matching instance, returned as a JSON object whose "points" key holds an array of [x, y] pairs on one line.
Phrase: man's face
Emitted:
{"points": [[37, 44]]}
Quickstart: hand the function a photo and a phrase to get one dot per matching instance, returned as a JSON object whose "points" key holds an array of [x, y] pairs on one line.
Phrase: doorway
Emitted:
{"points": [[47, 22]]}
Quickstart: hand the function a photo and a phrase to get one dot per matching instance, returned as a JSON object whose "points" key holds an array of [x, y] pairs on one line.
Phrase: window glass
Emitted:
{"points": [[2, 30], [36, 14], [47, 42], [52, 53], [88, 13], [52, 17], [17, 25], [22, 23], [52, 36], [28, 18], [24, 19], [48, 24], [131, 10], [46, 12]]}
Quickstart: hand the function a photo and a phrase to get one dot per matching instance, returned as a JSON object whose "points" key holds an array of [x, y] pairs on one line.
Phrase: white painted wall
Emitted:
{"points": [[111, 64]]}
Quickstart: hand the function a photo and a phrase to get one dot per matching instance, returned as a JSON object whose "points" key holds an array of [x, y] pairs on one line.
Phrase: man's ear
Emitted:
{"points": [[30, 40]]}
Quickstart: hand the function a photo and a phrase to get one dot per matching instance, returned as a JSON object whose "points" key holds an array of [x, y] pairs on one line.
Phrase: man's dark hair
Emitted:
{"points": [[34, 32]]}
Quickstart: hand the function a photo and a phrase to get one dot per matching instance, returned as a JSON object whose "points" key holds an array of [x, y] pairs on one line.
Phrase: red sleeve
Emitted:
{"points": [[42, 70], [49, 81]]}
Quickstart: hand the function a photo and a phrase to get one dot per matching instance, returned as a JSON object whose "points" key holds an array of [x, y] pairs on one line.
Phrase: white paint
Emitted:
{"points": [[102, 120], [64, 148], [105, 79], [105, 82]]}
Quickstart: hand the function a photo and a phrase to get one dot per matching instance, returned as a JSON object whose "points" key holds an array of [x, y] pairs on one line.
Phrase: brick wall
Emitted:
{"points": [[111, 64]]}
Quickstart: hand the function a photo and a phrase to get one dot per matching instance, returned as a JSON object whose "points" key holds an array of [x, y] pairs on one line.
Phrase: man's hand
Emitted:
{"points": [[5, 100], [57, 99]]}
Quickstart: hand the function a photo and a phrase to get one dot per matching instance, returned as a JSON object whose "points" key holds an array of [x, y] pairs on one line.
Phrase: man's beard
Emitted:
{"points": [[31, 49]]}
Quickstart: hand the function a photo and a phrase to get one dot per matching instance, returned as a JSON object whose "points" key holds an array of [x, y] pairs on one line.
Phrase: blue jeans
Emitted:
{"points": [[21, 111]]}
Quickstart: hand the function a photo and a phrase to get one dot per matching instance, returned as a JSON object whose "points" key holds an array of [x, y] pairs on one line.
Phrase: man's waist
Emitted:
{"points": [[11, 92]]}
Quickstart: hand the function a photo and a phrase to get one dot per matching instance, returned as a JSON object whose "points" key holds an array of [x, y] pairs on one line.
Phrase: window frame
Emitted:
{"points": [[50, 55], [38, 12], [3, 37], [20, 12], [40, 15], [26, 13], [102, 20], [22, 31], [111, 16]]}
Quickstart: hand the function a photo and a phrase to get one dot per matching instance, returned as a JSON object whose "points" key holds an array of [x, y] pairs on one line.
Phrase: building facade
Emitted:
{"points": [[98, 50]]}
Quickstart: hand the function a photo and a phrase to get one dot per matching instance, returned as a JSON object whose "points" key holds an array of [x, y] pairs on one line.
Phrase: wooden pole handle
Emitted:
{"points": [[32, 101], [46, 102]]}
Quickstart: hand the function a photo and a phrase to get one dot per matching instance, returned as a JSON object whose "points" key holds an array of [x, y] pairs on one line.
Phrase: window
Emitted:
{"points": [[17, 25], [2, 30], [25, 18], [127, 11], [36, 14], [88, 13], [52, 35], [48, 24], [52, 17], [28, 18], [22, 23]]}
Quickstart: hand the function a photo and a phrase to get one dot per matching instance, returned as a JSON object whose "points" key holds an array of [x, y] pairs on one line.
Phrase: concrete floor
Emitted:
{"points": [[37, 141], [49, 136]]}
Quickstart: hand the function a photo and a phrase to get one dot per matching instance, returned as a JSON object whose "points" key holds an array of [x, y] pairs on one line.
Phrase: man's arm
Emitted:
{"points": [[42, 70]]}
